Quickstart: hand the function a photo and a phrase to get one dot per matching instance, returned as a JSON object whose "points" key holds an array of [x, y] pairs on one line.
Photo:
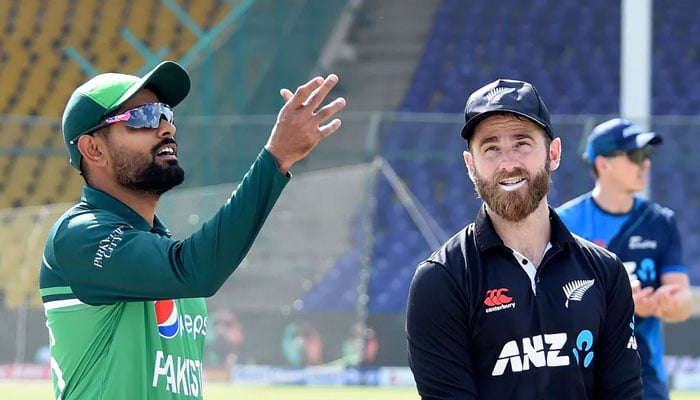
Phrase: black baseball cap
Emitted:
{"points": [[506, 95]]}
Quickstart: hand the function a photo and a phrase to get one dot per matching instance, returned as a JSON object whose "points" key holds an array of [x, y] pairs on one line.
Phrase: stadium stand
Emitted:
{"points": [[569, 50], [575, 65], [38, 76], [39, 33], [48, 48]]}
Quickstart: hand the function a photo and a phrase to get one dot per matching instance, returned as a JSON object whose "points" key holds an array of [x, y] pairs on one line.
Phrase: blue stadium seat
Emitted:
{"points": [[571, 52]]}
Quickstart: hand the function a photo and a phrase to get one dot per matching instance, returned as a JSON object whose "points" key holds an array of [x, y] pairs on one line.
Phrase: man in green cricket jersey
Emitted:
{"points": [[123, 300]]}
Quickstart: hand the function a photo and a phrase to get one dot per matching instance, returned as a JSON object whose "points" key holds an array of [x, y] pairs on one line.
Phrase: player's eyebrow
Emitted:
{"points": [[496, 138], [489, 139]]}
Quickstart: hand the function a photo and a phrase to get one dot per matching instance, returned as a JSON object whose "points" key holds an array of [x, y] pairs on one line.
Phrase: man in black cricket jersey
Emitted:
{"points": [[514, 306]]}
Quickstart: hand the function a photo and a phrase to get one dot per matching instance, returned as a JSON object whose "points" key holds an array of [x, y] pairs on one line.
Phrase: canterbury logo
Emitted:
{"points": [[497, 297], [575, 290]]}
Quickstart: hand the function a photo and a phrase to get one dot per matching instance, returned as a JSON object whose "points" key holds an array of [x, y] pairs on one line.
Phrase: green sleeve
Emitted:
{"points": [[106, 260]]}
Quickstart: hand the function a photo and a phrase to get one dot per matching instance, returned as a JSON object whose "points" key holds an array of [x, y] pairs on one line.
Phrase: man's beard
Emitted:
{"points": [[514, 206], [142, 173]]}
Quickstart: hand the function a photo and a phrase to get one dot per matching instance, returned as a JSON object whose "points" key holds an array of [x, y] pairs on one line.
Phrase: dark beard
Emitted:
{"points": [[514, 206], [146, 175]]}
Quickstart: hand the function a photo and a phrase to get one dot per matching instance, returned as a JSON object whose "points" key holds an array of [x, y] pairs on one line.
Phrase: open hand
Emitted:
{"points": [[301, 124]]}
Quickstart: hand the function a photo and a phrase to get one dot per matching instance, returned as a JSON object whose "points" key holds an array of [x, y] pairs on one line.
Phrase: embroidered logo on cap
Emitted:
{"points": [[494, 95]]}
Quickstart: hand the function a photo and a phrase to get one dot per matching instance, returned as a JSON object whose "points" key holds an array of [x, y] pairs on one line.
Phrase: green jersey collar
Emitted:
{"points": [[99, 199]]}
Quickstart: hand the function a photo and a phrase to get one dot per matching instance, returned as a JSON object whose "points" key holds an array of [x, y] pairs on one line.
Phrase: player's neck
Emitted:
{"points": [[613, 200], [529, 236], [144, 204]]}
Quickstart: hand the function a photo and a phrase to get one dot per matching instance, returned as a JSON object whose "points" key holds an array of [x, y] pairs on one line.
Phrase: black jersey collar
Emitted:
{"points": [[486, 236]]}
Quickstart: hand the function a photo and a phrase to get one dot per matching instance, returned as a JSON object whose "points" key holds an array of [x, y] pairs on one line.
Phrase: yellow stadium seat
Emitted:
{"points": [[38, 34], [38, 78]]}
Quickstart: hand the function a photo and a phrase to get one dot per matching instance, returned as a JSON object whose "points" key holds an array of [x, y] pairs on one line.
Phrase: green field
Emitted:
{"points": [[217, 391], [32, 390]]}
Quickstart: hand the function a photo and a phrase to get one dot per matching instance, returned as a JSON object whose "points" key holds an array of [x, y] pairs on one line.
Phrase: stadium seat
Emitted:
{"points": [[38, 77], [39, 32], [571, 52], [573, 62]]}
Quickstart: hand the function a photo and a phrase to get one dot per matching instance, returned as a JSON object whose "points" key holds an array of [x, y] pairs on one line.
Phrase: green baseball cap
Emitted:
{"points": [[106, 93]]}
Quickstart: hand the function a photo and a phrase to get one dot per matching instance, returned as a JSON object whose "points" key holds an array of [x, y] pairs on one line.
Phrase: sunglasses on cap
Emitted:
{"points": [[637, 156], [141, 117]]}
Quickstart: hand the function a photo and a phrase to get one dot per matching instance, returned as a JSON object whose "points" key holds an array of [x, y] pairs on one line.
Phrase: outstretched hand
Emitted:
{"points": [[301, 124]]}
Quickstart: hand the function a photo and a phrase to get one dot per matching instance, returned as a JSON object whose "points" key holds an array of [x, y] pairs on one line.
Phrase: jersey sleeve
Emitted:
{"points": [[105, 260], [672, 256], [618, 368], [438, 338]]}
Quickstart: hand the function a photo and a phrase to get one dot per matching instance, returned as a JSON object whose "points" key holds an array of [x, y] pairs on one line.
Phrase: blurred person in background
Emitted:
{"points": [[123, 300], [514, 306], [361, 346], [302, 344], [642, 234], [225, 339]]}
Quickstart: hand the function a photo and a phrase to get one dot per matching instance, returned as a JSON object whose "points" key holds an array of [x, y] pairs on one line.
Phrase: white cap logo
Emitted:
{"points": [[631, 130], [494, 95]]}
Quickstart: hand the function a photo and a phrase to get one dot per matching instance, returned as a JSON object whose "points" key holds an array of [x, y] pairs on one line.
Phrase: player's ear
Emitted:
{"points": [[92, 149], [554, 154], [601, 164], [469, 163]]}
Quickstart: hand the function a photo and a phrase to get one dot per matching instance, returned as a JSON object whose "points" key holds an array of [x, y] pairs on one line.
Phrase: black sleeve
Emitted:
{"points": [[438, 337], [618, 371]]}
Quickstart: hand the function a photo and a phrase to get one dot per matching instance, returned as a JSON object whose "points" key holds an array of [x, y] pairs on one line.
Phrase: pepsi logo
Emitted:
{"points": [[167, 318]]}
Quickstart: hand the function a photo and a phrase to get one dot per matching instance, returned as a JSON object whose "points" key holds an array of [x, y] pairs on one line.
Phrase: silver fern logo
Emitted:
{"points": [[494, 95], [575, 290]]}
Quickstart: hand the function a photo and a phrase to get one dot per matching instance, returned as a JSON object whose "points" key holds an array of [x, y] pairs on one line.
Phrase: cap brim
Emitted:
{"points": [[168, 80], [648, 138], [468, 129]]}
